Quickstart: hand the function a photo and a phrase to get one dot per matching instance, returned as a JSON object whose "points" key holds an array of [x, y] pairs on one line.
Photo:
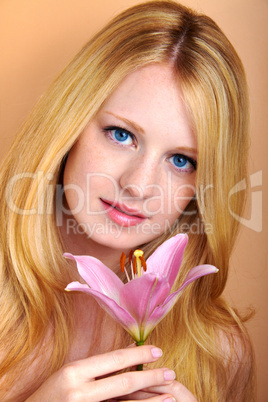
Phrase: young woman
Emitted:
{"points": [[137, 140]]}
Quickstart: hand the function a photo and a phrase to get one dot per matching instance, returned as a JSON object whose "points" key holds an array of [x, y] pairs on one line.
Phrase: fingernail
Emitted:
{"points": [[169, 399], [156, 352], [169, 375]]}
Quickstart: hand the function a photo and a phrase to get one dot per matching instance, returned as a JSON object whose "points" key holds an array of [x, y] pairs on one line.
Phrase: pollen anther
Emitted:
{"points": [[122, 262], [130, 256], [143, 263], [135, 266]]}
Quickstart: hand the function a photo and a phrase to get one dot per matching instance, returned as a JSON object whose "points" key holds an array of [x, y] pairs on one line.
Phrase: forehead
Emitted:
{"points": [[153, 81], [151, 97]]}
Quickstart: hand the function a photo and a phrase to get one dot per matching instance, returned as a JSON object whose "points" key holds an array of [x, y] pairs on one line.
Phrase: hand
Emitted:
{"points": [[83, 380], [175, 391]]}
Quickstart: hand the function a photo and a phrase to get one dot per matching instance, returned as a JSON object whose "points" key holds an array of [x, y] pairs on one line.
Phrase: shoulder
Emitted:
{"points": [[24, 378], [21, 382]]}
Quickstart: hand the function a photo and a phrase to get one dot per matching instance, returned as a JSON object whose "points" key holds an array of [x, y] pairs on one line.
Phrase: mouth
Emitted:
{"points": [[122, 214]]}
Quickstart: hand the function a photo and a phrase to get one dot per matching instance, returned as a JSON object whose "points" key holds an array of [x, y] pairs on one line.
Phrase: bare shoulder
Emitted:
{"points": [[19, 389], [238, 359], [20, 382]]}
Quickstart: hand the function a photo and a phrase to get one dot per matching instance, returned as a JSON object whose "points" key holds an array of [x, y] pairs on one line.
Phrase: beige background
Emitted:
{"points": [[37, 39]]}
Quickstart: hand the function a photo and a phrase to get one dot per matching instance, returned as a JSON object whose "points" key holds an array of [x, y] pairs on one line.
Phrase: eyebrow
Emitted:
{"points": [[128, 122], [186, 149]]}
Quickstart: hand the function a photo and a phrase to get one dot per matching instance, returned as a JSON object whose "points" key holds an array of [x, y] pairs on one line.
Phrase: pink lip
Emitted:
{"points": [[121, 214]]}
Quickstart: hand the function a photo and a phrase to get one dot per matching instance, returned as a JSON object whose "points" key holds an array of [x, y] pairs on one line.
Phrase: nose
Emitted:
{"points": [[141, 178]]}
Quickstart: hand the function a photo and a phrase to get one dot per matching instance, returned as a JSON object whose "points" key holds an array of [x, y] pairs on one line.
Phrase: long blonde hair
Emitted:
{"points": [[33, 271]]}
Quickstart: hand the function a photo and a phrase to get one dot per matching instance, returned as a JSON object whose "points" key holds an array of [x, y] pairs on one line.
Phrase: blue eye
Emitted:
{"points": [[183, 163], [120, 135]]}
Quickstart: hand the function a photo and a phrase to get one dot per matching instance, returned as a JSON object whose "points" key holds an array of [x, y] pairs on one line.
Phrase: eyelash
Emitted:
{"points": [[108, 132]]}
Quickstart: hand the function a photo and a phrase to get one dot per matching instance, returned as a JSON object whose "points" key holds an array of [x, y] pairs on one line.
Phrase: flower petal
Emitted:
{"points": [[161, 311], [118, 313], [97, 275], [77, 287], [140, 296], [197, 272], [167, 258]]}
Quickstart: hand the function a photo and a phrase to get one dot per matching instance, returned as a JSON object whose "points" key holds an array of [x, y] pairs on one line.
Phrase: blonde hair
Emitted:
{"points": [[33, 271]]}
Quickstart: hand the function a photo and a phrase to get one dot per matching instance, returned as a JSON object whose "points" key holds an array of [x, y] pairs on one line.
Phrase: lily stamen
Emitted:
{"points": [[143, 263], [134, 266], [130, 257], [140, 261], [122, 265], [122, 262], [137, 264]]}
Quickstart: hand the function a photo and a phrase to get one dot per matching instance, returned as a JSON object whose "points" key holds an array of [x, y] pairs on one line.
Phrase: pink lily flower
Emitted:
{"points": [[141, 303]]}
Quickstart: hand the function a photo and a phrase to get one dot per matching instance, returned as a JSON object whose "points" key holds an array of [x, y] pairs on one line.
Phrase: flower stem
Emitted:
{"points": [[140, 366]]}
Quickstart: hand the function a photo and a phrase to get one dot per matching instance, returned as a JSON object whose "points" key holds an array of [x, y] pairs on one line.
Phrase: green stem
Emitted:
{"points": [[140, 366]]}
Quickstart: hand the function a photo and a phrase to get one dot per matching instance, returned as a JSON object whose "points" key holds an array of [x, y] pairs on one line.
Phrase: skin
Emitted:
{"points": [[149, 104]]}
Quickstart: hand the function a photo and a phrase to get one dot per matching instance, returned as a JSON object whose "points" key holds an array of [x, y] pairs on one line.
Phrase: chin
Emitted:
{"points": [[122, 241]]}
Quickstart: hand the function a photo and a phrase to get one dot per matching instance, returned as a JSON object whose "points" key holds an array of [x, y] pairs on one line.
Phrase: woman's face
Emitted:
{"points": [[132, 171]]}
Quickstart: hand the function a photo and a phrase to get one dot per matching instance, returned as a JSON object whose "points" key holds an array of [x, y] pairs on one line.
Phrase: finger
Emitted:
{"points": [[127, 383], [132, 345], [145, 396], [116, 360], [156, 398], [140, 397], [178, 390]]}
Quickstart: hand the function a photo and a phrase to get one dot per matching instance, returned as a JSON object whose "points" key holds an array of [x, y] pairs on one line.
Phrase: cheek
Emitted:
{"points": [[169, 201], [75, 179], [74, 191], [85, 180], [80, 167], [75, 166], [181, 197]]}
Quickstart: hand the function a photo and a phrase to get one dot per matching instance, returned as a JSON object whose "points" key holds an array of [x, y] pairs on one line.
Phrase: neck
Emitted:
{"points": [[95, 331], [81, 244]]}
